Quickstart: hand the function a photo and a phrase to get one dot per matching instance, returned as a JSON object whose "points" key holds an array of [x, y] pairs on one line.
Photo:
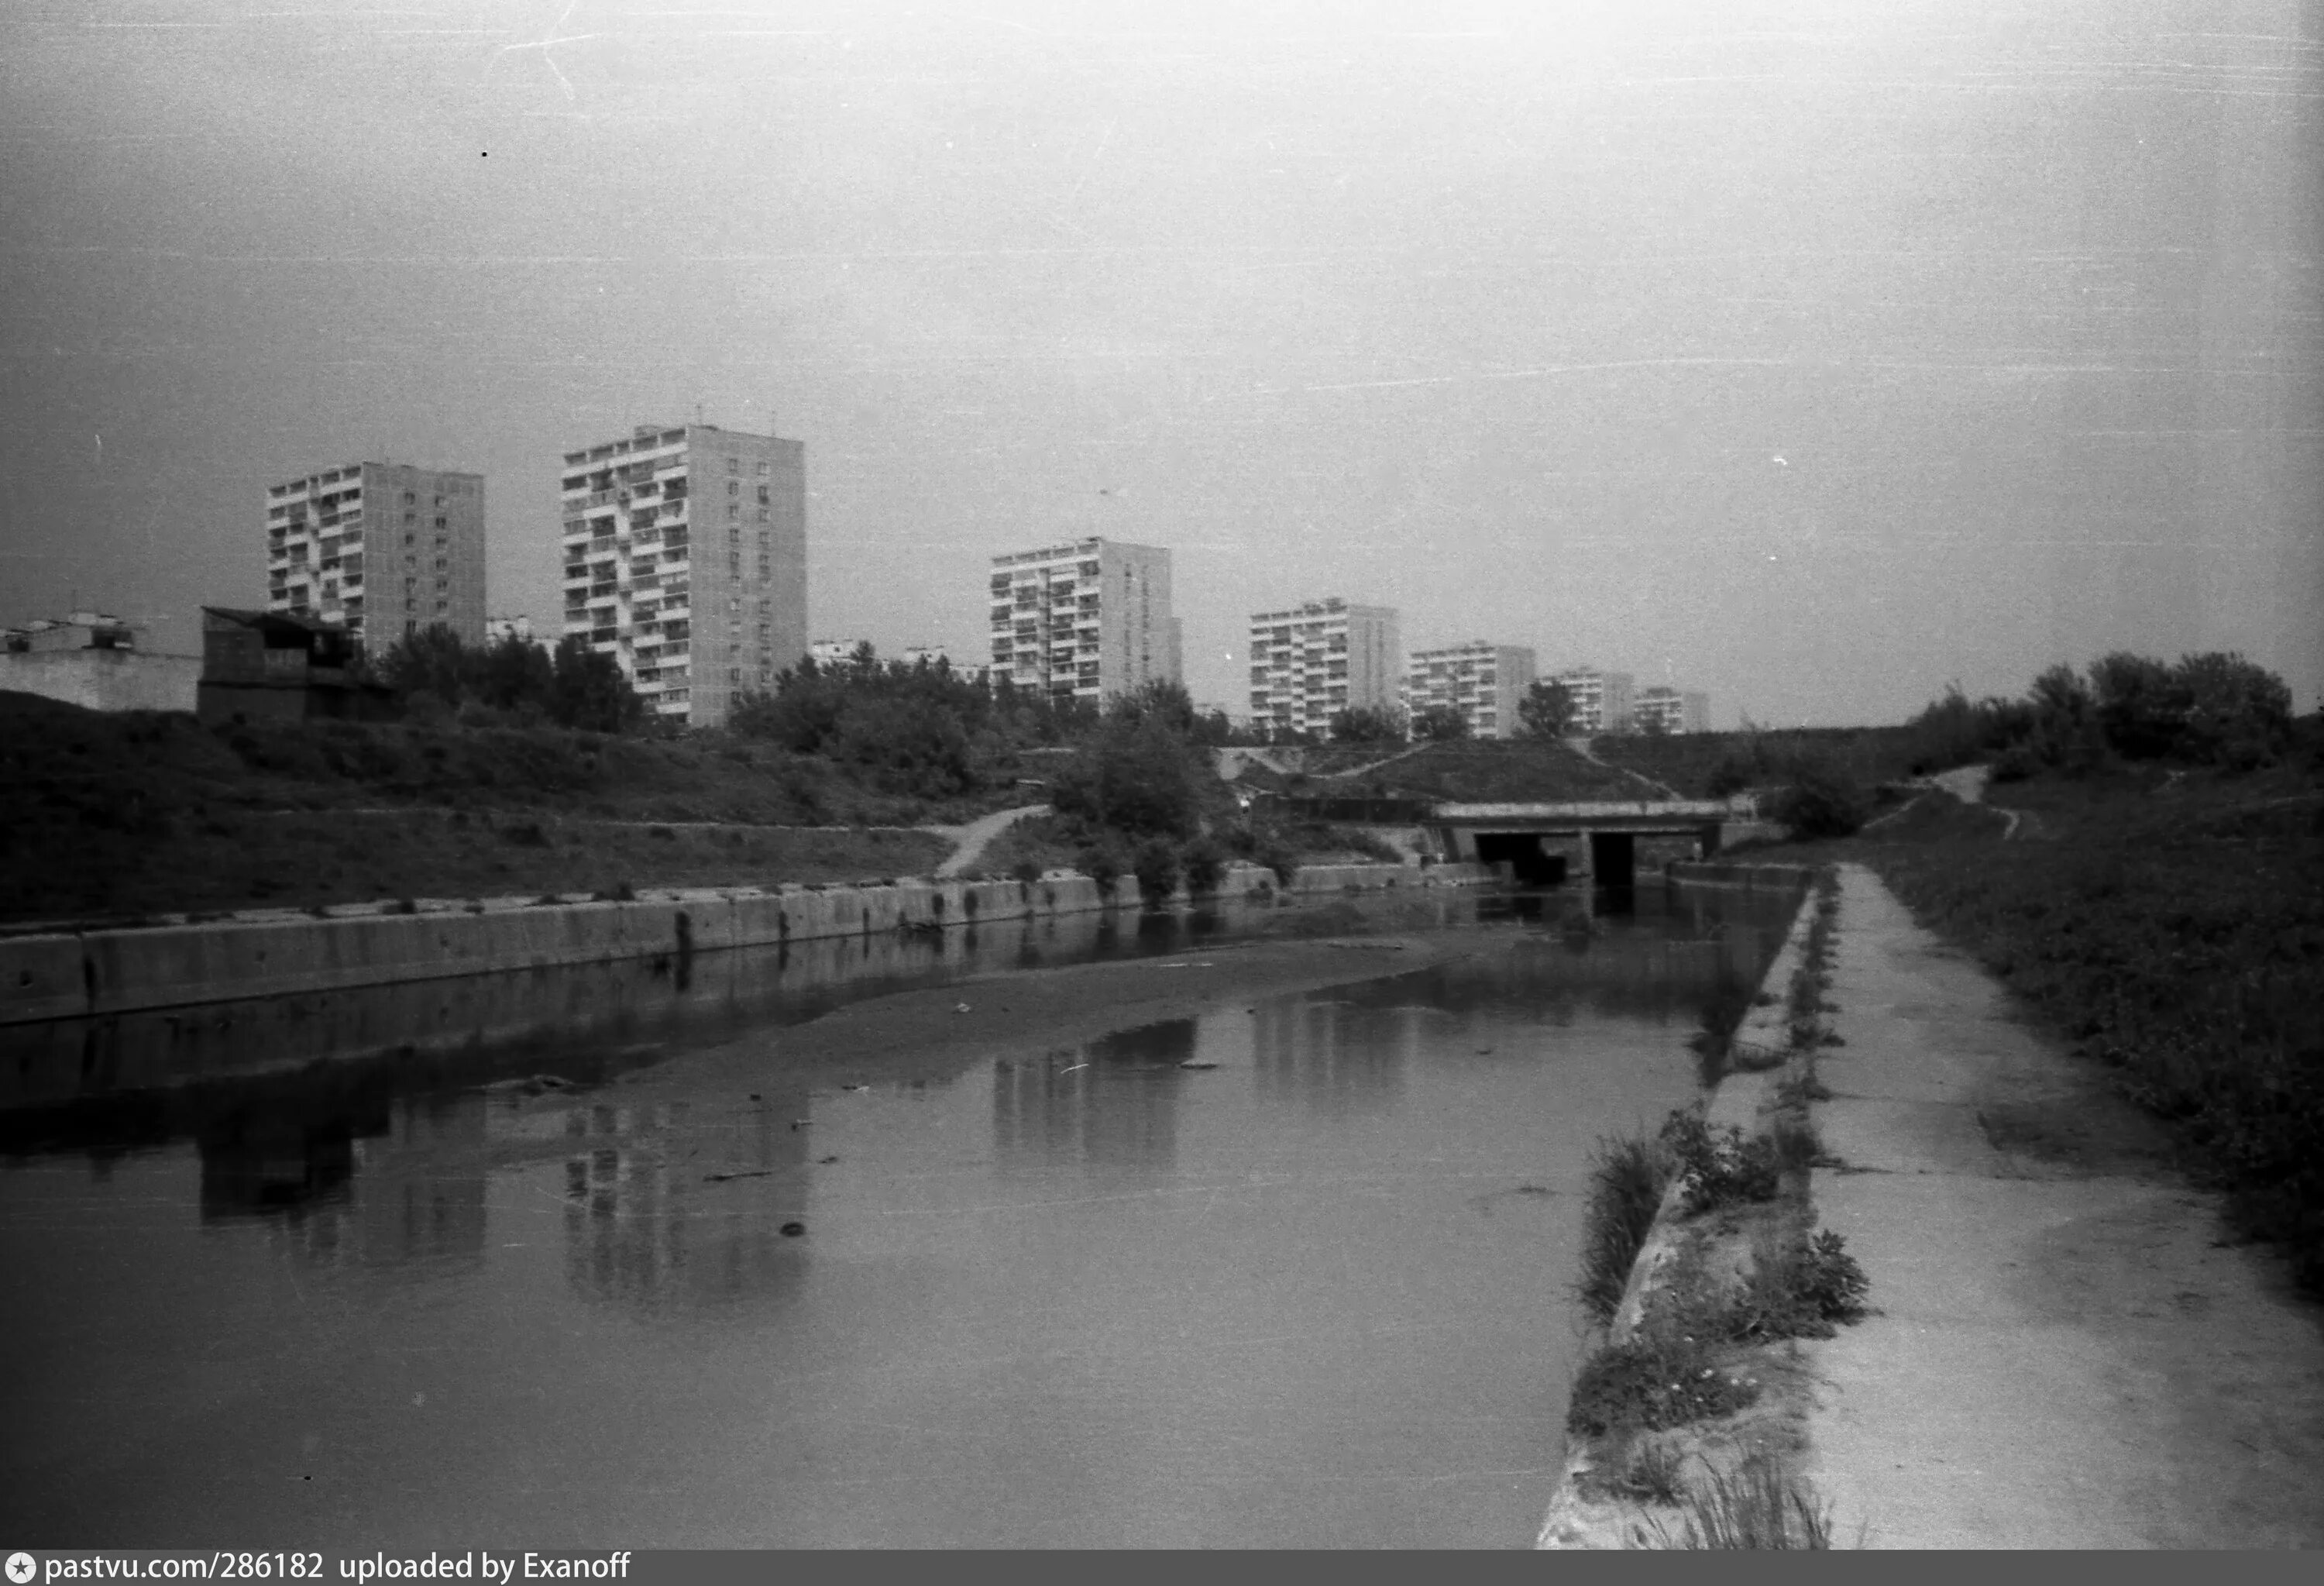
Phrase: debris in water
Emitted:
{"points": [[743, 1172], [960, 1008], [1200, 1062], [793, 1229], [827, 1161]]}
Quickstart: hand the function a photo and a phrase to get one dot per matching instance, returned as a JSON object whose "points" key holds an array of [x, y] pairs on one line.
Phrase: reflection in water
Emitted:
{"points": [[1111, 1103], [1337, 1056], [646, 1226]]}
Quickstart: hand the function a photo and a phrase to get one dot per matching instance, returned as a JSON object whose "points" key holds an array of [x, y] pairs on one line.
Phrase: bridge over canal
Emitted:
{"points": [[1607, 843]]}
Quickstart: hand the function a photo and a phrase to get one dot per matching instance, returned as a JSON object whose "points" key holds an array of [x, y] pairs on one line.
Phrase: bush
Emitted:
{"points": [[1819, 803], [1104, 862], [1205, 865], [1156, 865]]}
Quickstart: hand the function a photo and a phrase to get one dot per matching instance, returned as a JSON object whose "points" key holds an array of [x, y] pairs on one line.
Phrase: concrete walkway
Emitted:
{"points": [[2064, 1354], [971, 839]]}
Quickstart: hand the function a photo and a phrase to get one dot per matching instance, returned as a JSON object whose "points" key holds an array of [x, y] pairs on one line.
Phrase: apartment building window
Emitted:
{"points": [[734, 512], [734, 487], [764, 469]]}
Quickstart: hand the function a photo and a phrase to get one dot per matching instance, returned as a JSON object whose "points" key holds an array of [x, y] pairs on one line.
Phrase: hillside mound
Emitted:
{"points": [[1492, 771]]}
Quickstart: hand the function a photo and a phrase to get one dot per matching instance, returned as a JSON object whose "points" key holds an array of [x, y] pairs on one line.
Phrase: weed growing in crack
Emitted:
{"points": [[1759, 1506], [1801, 1089], [1721, 1169], [1797, 1144], [1627, 1178], [1654, 1471], [1798, 1287]]}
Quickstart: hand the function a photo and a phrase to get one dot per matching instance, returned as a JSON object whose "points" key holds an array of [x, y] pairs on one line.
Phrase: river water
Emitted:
{"points": [[1310, 1293]]}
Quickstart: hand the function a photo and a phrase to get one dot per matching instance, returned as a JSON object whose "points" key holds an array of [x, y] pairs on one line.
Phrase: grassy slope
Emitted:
{"points": [[1484, 770], [2173, 929], [1865, 755], [103, 814]]}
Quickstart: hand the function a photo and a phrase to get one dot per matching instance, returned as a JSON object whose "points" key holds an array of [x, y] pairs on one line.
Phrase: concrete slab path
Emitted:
{"points": [[2065, 1353]]}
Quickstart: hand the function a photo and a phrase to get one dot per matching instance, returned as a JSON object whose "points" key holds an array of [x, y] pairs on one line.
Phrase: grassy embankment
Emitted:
{"points": [[1686, 1445], [113, 815], [2169, 925]]}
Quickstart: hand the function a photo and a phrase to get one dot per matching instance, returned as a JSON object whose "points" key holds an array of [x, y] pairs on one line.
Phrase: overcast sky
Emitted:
{"points": [[1815, 355]]}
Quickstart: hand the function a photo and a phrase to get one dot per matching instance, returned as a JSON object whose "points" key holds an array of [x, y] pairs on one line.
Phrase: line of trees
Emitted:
{"points": [[572, 685], [2213, 709]]}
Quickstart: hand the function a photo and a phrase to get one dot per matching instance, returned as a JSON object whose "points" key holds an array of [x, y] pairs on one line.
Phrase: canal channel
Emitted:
{"points": [[1286, 1268]]}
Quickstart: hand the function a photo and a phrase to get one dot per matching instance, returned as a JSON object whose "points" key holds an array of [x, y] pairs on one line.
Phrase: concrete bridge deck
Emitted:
{"points": [[1548, 842]]}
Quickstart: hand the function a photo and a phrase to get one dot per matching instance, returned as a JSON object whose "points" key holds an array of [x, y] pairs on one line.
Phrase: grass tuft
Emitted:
{"points": [[1628, 1179], [1759, 1506]]}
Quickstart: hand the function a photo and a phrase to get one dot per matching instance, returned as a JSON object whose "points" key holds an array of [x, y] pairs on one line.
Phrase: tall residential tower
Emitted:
{"points": [[686, 560], [382, 550], [1086, 621], [1309, 662]]}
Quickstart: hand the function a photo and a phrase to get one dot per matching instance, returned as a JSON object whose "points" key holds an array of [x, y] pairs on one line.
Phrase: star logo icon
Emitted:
{"points": [[21, 1568]]}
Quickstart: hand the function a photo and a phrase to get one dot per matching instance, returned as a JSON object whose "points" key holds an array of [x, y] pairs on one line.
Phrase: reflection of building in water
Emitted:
{"points": [[1334, 1054], [646, 1228], [361, 1182], [1112, 1103]]}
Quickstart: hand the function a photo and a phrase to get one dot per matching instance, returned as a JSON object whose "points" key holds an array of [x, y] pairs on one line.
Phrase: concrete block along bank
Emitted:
{"points": [[81, 974]]}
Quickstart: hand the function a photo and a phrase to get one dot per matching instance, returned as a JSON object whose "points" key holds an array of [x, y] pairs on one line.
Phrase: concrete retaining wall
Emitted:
{"points": [[1721, 873], [106, 971]]}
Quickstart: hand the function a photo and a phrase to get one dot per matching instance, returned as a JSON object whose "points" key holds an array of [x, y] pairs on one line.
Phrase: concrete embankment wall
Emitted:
{"points": [[1575, 1520], [81, 974], [1721, 873]]}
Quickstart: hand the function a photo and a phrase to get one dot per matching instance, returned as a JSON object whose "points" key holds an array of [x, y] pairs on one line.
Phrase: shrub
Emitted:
{"points": [[1104, 862], [1819, 803], [1205, 865], [1026, 870], [1156, 865]]}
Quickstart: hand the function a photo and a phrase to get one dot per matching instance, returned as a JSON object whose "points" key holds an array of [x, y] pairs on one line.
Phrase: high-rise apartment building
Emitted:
{"points": [[1310, 662], [1672, 710], [1086, 621], [1602, 700], [686, 560], [1481, 680], [380, 549]]}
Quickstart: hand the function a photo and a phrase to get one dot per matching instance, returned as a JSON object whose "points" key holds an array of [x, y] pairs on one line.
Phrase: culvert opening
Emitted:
{"points": [[1530, 864]]}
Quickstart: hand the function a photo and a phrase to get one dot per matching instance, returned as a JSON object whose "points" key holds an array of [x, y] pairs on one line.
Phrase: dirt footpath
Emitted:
{"points": [[2065, 1354]]}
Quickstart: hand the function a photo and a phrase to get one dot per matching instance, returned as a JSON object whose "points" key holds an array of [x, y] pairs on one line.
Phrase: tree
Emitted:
{"points": [[1367, 723], [1547, 710], [2142, 706], [589, 691], [2238, 714], [1137, 776], [513, 674], [432, 660], [1441, 723]]}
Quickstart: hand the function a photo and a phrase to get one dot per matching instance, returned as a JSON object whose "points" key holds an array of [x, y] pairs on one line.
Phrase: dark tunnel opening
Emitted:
{"points": [[1613, 858], [1522, 852]]}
